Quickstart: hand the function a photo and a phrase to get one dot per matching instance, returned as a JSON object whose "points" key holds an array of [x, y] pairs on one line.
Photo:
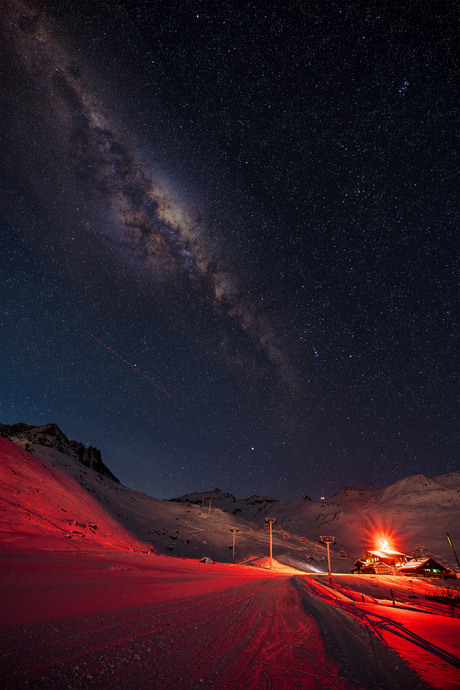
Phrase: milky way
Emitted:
{"points": [[144, 221], [254, 204]]}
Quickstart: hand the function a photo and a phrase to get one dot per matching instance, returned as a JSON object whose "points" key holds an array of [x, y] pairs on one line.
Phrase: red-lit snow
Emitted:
{"points": [[97, 611]]}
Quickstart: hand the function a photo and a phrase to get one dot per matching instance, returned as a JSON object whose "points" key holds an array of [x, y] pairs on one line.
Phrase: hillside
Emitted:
{"points": [[415, 512], [43, 506], [80, 578]]}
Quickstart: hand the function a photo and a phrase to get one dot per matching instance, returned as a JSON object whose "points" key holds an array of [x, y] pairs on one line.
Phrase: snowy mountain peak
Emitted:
{"points": [[260, 499], [415, 510], [200, 496], [348, 491], [50, 435], [226, 501]]}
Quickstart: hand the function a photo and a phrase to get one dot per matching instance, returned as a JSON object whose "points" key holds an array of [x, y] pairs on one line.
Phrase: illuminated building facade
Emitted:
{"points": [[380, 562]]}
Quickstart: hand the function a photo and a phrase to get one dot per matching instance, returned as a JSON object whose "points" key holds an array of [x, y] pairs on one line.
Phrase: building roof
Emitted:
{"points": [[414, 564], [386, 554], [411, 565]]}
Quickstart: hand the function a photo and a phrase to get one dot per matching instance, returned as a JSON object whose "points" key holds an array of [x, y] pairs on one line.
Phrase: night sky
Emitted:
{"points": [[252, 204]]}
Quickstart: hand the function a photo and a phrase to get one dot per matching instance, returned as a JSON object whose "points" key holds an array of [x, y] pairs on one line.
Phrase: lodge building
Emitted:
{"points": [[389, 562], [380, 562]]}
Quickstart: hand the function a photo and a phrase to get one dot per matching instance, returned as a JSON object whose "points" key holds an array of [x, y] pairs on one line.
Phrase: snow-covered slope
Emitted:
{"points": [[171, 528], [251, 507], [51, 436], [118, 615], [42, 504], [414, 513]]}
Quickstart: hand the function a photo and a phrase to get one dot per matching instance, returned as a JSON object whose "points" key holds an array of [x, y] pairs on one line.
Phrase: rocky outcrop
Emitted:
{"points": [[51, 436], [222, 500]]}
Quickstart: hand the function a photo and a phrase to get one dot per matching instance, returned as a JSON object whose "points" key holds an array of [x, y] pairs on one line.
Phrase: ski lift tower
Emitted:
{"points": [[271, 521], [327, 541], [234, 530]]}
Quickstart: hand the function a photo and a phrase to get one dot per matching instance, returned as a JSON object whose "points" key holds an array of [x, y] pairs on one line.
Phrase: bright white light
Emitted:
{"points": [[312, 568]]}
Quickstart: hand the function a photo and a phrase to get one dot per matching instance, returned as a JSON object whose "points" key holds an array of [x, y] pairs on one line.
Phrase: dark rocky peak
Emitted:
{"points": [[216, 496], [348, 491], [252, 500], [51, 436]]}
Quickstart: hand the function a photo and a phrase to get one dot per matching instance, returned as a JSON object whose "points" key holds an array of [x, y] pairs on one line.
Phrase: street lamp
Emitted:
{"points": [[234, 530], [327, 541], [271, 521]]}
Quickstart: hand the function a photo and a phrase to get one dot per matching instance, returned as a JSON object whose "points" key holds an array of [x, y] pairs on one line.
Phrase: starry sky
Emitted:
{"points": [[228, 238]]}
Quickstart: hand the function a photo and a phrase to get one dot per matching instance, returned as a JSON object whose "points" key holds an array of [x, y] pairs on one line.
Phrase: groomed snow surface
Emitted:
{"points": [[85, 604], [110, 620]]}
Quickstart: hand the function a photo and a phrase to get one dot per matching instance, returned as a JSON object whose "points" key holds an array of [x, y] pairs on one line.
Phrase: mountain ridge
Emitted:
{"points": [[415, 511], [50, 435]]}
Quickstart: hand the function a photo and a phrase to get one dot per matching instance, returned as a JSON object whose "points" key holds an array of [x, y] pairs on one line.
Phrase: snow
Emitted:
{"points": [[413, 512], [386, 553], [405, 514], [425, 634], [41, 503], [135, 620], [86, 603]]}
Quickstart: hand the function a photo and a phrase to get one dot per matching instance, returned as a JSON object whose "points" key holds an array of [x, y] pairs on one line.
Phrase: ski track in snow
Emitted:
{"points": [[361, 655], [385, 634], [254, 635], [240, 629]]}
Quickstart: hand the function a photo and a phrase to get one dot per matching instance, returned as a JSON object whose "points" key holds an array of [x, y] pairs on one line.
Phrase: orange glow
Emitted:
{"points": [[384, 541], [380, 533]]}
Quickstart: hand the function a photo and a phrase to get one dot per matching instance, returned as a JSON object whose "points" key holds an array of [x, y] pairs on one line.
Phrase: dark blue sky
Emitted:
{"points": [[254, 207]]}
